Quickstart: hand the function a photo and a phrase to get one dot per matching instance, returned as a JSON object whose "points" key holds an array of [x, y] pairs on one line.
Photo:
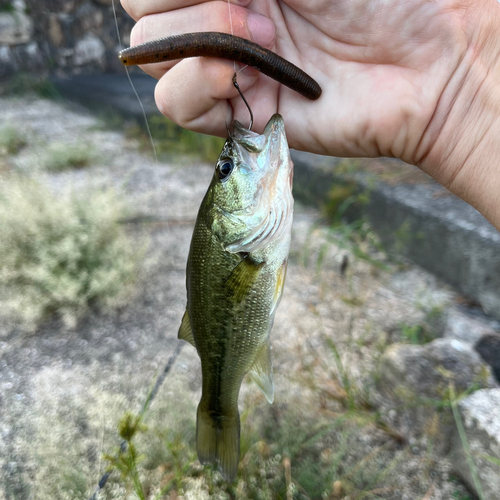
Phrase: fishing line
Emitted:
{"points": [[147, 403], [235, 83], [231, 25], [133, 86]]}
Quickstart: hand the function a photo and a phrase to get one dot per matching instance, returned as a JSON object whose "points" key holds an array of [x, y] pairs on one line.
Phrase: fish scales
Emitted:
{"points": [[235, 275]]}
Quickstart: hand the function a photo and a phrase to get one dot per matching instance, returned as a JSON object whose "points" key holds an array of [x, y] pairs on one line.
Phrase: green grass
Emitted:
{"points": [[416, 334], [25, 83], [172, 141], [6, 6], [60, 157], [61, 255], [12, 140], [288, 461]]}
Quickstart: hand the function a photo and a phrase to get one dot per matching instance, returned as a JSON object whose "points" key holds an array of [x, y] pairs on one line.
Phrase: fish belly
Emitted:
{"points": [[228, 332]]}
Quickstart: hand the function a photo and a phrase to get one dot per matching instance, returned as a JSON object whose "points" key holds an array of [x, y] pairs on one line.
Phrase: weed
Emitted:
{"points": [[344, 197], [60, 255], [358, 237], [172, 140], [342, 372], [6, 6], [347, 166], [127, 457], [24, 83], [67, 156], [12, 140], [458, 495], [402, 236], [416, 334]]}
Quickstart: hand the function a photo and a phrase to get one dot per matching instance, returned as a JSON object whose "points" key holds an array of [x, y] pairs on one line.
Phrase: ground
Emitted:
{"points": [[64, 389]]}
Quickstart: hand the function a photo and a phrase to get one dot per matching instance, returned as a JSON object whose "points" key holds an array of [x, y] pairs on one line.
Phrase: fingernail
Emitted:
{"points": [[261, 29]]}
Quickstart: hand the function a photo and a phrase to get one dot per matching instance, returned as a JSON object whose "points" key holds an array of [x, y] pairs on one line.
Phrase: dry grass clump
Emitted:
{"points": [[60, 255], [68, 156], [11, 140]]}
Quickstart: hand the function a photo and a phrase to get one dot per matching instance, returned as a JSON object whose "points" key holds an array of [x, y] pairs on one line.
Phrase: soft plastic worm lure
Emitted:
{"points": [[213, 44]]}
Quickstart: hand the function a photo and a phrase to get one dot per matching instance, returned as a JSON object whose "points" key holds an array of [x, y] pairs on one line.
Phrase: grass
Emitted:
{"points": [[60, 157], [24, 83], [288, 463], [416, 334], [6, 6], [172, 141], [61, 256], [12, 140]]}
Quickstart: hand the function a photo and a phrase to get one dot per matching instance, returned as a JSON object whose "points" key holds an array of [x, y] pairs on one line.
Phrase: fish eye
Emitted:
{"points": [[224, 169]]}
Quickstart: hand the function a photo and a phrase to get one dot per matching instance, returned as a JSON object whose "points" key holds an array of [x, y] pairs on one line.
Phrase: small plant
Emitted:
{"points": [[416, 334], [172, 140], [342, 198], [68, 156], [24, 83], [11, 140], [458, 495], [60, 256], [127, 457], [6, 6]]}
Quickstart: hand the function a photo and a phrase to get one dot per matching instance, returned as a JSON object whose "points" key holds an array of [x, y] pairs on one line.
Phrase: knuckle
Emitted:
{"points": [[137, 33], [133, 8]]}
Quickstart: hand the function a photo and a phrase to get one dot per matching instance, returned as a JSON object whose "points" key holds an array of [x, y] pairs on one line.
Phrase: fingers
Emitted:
{"points": [[212, 16], [140, 8], [194, 94]]}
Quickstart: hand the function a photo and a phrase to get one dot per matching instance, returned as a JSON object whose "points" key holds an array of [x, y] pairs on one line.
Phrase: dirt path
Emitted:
{"points": [[63, 391]]}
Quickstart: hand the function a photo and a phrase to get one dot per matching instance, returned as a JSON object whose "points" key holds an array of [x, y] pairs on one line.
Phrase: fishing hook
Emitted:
{"points": [[235, 83]]}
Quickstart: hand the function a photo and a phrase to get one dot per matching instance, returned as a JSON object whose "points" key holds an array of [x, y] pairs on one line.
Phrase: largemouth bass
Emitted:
{"points": [[235, 275]]}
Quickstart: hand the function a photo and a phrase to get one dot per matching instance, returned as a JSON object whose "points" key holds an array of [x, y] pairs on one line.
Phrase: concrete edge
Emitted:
{"points": [[423, 222]]}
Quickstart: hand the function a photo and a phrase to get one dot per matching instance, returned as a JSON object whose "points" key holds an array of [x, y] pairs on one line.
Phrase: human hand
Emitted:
{"points": [[399, 78]]}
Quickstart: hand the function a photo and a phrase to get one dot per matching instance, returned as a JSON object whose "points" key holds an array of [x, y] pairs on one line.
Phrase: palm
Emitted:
{"points": [[380, 87]]}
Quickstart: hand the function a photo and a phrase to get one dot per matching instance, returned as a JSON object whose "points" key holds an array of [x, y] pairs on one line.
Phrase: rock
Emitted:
{"points": [[466, 328], [56, 33], [488, 347], [7, 62], [415, 379], [480, 414], [89, 49], [15, 28]]}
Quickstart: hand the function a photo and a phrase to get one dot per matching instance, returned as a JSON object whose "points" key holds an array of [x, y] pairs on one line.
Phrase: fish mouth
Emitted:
{"points": [[276, 125], [268, 217]]}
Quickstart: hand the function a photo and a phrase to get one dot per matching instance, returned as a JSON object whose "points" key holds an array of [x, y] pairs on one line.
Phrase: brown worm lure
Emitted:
{"points": [[213, 44]]}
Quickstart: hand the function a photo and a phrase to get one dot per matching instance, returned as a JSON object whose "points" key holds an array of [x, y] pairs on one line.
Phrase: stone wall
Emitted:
{"points": [[61, 36]]}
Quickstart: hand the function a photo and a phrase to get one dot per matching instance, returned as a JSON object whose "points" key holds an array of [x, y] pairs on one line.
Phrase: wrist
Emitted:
{"points": [[463, 137]]}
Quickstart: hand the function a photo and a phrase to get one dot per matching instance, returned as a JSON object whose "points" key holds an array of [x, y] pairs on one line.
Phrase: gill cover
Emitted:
{"points": [[253, 205]]}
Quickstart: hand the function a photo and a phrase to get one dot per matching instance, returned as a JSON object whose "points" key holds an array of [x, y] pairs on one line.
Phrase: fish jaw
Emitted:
{"points": [[263, 176]]}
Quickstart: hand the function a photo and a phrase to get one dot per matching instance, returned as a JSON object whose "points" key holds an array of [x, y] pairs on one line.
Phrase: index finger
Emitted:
{"points": [[140, 8]]}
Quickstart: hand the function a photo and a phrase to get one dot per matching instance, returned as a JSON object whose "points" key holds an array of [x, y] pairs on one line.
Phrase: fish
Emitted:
{"points": [[235, 275]]}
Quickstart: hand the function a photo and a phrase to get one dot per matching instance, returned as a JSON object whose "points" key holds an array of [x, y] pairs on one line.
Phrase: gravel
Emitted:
{"points": [[62, 391]]}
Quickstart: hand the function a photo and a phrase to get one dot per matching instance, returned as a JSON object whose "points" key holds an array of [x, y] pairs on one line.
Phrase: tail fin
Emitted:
{"points": [[218, 441]]}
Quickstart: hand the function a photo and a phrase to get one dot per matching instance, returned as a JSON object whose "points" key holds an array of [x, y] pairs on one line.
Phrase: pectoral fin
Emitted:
{"points": [[262, 371], [185, 331], [241, 280]]}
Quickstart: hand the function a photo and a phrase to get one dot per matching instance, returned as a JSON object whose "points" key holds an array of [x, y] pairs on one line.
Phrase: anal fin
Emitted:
{"points": [[185, 331], [262, 371]]}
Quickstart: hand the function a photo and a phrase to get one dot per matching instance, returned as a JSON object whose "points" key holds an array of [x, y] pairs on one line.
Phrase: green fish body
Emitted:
{"points": [[235, 275]]}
